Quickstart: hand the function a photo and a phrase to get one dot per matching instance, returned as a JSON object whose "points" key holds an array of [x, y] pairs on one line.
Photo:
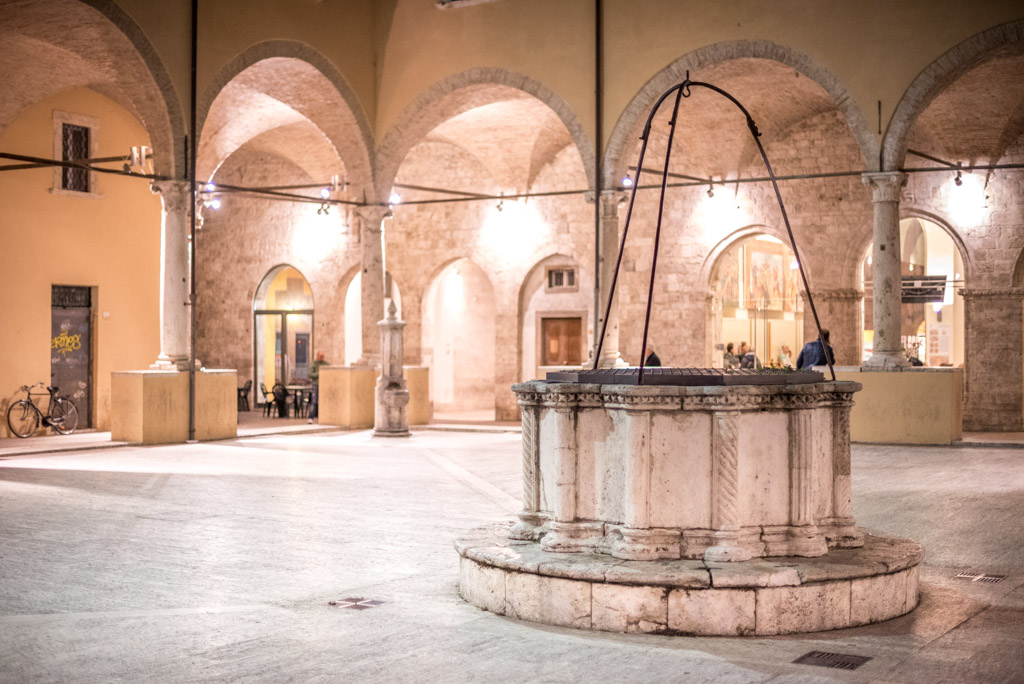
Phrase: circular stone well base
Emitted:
{"points": [[845, 588]]}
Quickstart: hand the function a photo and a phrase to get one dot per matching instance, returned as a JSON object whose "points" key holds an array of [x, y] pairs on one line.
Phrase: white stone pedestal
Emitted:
{"points": [[644, 502]]}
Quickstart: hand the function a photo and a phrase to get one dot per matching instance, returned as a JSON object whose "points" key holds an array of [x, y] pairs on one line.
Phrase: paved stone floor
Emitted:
{"points": [[218, 562]]}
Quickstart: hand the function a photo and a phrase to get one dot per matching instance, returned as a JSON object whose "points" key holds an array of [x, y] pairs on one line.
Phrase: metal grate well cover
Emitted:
{"points": [[842, 661]]}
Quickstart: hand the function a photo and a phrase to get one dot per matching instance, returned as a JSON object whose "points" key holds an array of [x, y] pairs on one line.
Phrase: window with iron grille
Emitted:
{"points": [[75, 146], [70, 296], [561, 278]]}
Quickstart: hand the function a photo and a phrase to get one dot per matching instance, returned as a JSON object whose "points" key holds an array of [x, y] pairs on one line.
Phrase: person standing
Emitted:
{"points": [[650, 357], [786, 356], [730, 360], [749, 358], [813, 355], [314, 375]]}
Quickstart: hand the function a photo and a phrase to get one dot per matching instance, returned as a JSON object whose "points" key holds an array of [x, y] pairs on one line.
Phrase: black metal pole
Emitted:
{"points": [[598, 165], [192, 232]]}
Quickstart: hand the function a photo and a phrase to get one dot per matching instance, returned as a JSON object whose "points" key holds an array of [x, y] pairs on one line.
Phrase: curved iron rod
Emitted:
{"points": [[625, 229], [684, 91], [657, 230], [782, 207]]}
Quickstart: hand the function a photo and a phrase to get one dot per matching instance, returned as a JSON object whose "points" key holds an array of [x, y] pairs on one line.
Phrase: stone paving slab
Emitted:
{"points": [[216, 562]]}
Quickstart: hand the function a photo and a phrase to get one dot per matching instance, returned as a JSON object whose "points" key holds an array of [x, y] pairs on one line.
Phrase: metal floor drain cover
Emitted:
{"points": [[356, 603], [842, 661], [980, 577]]}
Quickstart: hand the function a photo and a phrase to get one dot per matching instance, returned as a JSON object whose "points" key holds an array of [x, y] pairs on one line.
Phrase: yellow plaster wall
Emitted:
{"points": [[419, 409], [346, 396], [111, 243], [919, 406]]}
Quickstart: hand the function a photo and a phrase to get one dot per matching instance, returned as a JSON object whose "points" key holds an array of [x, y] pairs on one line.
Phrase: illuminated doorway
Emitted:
{"points": [[756, 299], [282, 329], [931, 316]]}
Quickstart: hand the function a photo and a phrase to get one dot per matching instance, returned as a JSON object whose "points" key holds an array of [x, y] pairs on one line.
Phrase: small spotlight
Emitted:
{"points": [[711, 191], [627, 182], [325, 193], [210, 187], [215, 203], [395, 198], [936, 307], [794, 265], [958, 180], [324, 209]]}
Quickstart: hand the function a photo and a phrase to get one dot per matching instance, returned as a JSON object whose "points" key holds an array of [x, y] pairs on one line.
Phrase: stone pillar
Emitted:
{"points": [[839, 311], [885, 266], [372, 285], [567, 534], [804, 539], [174, 277], [392, 396], [531, 520], [840, 528], [609, 253], [993, 396], [725, 490]]}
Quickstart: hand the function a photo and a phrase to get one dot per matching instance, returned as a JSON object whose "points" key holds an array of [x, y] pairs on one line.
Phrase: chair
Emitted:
{"points": [[268, 400], [281, 399], [303, 400], [243, 396]]}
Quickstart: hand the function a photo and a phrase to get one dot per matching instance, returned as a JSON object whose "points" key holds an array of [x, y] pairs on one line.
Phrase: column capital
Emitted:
{"points": [[174, 194], [885, 186], [1015, 294], [372, 215]]}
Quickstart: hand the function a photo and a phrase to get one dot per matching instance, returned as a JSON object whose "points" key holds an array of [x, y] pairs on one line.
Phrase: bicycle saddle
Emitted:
{"points": [[52, 389]]}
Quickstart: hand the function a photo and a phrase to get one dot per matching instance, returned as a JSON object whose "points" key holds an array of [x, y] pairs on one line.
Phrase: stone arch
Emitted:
{"points": [[459, 314], [707, 268], [454, 95], [570, 303], [636, 111], [345, 126], [268, 279], [106, 35], [936, 77]]}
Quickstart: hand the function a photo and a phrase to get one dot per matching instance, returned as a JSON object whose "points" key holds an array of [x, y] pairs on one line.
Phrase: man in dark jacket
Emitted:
{"points": [[813, 355], [651, 358]]}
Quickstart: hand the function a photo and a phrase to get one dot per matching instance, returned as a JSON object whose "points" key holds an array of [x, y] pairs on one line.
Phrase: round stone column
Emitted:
{"points": [[175, 197], [609, 252], [886, 278], [372, 285]]}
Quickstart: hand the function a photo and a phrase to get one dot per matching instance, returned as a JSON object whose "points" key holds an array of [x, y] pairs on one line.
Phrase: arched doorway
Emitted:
{"points": [[554, 316], [354, 313], [756, 299], [931, 316], [458, 341], [282, 328]]}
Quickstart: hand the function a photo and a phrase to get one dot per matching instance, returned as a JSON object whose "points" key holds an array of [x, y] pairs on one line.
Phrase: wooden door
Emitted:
{"points": [[561, 341]]}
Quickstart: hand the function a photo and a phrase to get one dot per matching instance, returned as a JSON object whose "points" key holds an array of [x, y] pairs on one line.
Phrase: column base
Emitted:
{"points": [[572, 537], [166, 362], [734, 546], [531, 526], [646, 544], [886, 360], [794, 540], [613, 360]]}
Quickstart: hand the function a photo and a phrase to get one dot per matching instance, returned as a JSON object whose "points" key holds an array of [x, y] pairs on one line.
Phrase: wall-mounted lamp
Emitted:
{"points": [[395, 198], [325, 193], [627, 181]]}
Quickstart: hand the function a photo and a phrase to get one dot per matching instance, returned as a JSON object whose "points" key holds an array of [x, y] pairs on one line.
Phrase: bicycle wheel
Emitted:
{"points": [[64, 416], [23, 418]]}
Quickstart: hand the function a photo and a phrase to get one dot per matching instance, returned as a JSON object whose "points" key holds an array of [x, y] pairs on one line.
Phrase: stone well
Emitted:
{"points": [[712, 510]]}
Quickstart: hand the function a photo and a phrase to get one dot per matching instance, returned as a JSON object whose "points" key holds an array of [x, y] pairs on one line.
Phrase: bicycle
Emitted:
{"points": [[23, 416]]}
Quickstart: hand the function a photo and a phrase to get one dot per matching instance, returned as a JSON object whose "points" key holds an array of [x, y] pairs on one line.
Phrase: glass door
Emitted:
{"points": [[282, 341]]}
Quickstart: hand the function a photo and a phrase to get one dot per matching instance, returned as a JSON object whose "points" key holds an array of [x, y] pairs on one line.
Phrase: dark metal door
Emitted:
{"points": [[70, 348]]}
